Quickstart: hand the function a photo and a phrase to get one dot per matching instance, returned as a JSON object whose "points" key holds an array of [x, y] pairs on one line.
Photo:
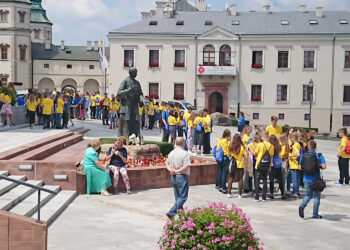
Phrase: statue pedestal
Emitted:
{"points": [[149, 151]]}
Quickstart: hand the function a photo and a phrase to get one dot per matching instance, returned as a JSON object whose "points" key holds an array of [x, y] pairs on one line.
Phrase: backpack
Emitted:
{"points": [[347, 149], [218, 154], [265, 162], [97, 100], [199, 128], [309, 164], [277, 162], [232, 166]]}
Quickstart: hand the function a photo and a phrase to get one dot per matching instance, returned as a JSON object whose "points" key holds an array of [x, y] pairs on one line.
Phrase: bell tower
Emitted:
{"points": [[40, 25]]}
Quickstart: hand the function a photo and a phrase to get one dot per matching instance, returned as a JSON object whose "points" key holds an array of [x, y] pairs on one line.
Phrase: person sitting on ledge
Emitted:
{"points": [[97, 176], [119, 158]]}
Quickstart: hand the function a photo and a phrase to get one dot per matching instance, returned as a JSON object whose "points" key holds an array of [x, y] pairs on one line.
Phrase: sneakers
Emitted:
{"points": [[169, 216], [317, 217], [256, 200], [239, 196], [229, 196], [301, 212], [264, 200], [271, 196], [338, 183], [110, 127]]}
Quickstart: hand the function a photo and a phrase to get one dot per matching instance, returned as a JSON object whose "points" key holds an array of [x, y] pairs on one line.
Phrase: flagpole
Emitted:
{"points": [[105, 80]]}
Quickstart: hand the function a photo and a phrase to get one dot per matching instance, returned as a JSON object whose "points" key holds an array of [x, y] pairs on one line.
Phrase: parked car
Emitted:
{"points": [[184, 106]]}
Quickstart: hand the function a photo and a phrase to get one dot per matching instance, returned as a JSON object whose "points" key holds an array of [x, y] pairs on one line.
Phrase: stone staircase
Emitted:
{"points": [[23, 200]]}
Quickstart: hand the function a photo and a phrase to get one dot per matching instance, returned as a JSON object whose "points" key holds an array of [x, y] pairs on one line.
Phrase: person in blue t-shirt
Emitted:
{"points": [[241, 122], [308, 179], [165, 116]]}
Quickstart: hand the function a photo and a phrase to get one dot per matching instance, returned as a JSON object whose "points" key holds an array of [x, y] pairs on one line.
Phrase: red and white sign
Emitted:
{"points": [[216, 70]]}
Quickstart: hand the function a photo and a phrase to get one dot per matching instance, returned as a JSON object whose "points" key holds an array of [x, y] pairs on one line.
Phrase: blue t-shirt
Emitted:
{"points": [[165, 115], [116, 160], [241, 121], [20, 101], [311, 178]]}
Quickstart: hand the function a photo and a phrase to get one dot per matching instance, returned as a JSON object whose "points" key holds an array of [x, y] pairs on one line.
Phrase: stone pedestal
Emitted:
{"points": [[135, 152]]}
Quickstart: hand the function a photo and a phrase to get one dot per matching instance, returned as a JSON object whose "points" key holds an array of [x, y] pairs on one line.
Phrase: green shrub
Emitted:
{"points": [[235, 123], [165, 148], [216, 226], [286, 127]]}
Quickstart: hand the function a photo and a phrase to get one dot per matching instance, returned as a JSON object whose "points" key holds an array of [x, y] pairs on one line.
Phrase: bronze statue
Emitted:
{"points": [[130, 96]]}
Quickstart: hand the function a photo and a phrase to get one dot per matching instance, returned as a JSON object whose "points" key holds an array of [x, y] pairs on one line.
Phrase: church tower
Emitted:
{"points": [[40, 25]]}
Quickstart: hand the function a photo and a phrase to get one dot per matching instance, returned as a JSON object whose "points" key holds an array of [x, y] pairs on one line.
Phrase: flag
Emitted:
{"points": [[102, 54]]}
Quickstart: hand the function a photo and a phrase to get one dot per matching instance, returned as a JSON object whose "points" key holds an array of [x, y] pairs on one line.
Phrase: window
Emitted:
{"points": [[4, 53], [46, 66], [179, 90], [313, 22], [208, 23], [48, 34], [235, 22], [68, 52], [69, 66], [22, 53], [309, 59], [22, 15], [307, 117], [284, 22], [225, 56], [128, 58], [307, 91], [280, 116], [153, 92], [346, 120], [257, 59], [209, 55], [256, 93], [343, 21], [283, 59], [256, 116], [179, 58], [154, 58], [37, 34], [347, 60], [180, 23], [346, 97], [91, 66], [282, 93], [4, 16], [3, 79], [153, 23]]}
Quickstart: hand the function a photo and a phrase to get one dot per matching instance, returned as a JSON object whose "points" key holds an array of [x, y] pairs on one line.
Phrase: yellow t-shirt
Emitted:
{"points": [[93, 101], [207, 121], [48, 104], [106, 101], [198, 120], [172, 120], [114, 107], [245, 139], [60, 104], [187, 116], [150, 109], [284, 152], [6, 98], [239, 157], [2, 96], [41, 101], [293, 161], [274, 131], [178, 121], [54, 93], [118, 105], [343, 143], [141, 110], [253, 146], [161, 108], [261, 149], [223, 143], [31, 106], [190, 124]]}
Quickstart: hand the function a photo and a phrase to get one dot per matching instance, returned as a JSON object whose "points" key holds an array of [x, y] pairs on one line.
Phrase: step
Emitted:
{"points": [[29, 206], [7, 185], [4, 173], [17, 194], [56, 206]]}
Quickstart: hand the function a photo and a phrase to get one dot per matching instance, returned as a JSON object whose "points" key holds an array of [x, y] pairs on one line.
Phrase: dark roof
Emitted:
{"points": [[77, 53], [250, 23]]}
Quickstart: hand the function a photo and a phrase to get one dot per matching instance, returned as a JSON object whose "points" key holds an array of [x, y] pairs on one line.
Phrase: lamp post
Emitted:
{"points": [[311, 88]]}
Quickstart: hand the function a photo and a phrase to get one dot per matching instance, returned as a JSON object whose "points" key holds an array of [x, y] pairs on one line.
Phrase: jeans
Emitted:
{"points": [[58, 120], [343, 164], [222, 173], [98, 113], [112, 118], [165, 137], [180, 184], [65, 119], [150, 122], [278, 174], [308, 197], [260, 175], [47, 121], [93, 112], [293, 176], [105, 115]]}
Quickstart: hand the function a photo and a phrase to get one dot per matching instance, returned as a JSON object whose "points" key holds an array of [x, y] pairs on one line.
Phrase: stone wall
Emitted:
{"points": [[21, 233]]}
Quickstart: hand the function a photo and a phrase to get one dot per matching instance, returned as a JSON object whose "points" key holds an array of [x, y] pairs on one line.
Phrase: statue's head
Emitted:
{"points": [[133, 72]]}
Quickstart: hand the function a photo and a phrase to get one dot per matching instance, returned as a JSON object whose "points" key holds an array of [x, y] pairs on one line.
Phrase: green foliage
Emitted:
{"points": [[165, 148], [286, 127], [235, 123], [216, 226]]}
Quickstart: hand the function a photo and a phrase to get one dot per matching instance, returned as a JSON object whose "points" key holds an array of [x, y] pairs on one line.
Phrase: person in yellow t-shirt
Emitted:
{"points": [[186, 117], [47, 111], [224, 144], [172, 126], [274, 129], [93, 106], [198, 139], [293, 174], [263, 166], [98, 110], [191, 132], [343, 158], [150, 113], [237, 151], [142, 116], [31, 108], [105, 109], [207, 131], [113, 113], [59, 111], [6, 108], [246, 135]]}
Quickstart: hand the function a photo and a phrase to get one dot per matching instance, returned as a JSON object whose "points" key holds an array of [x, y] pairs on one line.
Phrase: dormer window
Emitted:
{"points": [[208, 23], [284, 22], [4, 16], [48, 34], [313, 22], [180, 23], [153, 23], [68, 52], [235, 22], [343, 21], [36, 34], [22, 15]]}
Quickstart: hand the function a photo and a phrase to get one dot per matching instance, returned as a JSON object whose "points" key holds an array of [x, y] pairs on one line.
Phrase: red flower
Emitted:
{"points": [[256, 99], [179, 97], [257, 66], [180, 65], [153, 65], [126, 64], [154, 96]]}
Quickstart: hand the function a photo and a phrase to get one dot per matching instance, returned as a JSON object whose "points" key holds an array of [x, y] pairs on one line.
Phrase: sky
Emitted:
{"points": [[77, 21]]}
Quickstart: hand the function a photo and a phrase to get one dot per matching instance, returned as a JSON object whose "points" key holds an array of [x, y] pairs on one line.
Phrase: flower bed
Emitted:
{"points": [[216, 226]]}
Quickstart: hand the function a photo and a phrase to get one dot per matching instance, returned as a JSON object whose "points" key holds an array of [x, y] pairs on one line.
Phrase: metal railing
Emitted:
{"points": [[32, 186]]}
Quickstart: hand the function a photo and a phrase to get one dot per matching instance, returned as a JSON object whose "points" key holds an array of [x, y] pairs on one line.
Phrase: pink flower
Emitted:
{"points": [[171, 232], [199, 245], [199, 232], [183, 242], [227, 243], [244, 245], [173, 242], [173, 246], [192, 237], [176, 236], [176, 225]]}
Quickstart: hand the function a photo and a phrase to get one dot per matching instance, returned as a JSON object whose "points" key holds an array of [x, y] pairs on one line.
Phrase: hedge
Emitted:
{"points": [[235, 123], [286, 127]]}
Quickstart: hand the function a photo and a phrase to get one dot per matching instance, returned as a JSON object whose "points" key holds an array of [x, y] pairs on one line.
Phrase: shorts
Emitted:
{"points": [[172, 131], [240, 128], [198, 139], [6, 109]]}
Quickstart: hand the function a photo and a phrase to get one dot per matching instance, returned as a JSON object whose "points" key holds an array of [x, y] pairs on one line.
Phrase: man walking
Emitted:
{"points": [[178, 165]]}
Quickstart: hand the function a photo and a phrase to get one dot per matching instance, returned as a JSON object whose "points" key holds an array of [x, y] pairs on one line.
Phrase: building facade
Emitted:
{"points": [[259, 62]]}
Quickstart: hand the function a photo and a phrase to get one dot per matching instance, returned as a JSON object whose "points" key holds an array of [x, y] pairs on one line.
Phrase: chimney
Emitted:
{"points": [[267, 9], [201, 5], [145, 15], [233, 10], [89, 45], [319, 12], [153, 12], [62, 44], [96, 46], [302, 8], [160, 6], [168, 13], [48, 45]]}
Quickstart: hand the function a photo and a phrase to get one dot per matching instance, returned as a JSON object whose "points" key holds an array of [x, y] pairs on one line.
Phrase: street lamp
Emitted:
{"points": [[311, 88]]}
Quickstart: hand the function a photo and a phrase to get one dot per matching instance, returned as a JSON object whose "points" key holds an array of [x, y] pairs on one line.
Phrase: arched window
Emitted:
{"points": [[225, 56], [209, 55]]}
